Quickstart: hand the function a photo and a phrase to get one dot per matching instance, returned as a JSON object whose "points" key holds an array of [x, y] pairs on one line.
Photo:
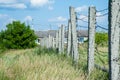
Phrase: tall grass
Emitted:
{"points": [[100, 59], [32, 64], [46, 64]]}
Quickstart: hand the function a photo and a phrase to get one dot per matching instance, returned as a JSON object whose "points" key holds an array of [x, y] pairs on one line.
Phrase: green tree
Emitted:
{"points": [[17, 36], [101, 38]]}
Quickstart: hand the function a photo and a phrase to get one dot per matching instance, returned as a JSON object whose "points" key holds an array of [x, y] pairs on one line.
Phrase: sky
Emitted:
{"points": [[49, 14]]}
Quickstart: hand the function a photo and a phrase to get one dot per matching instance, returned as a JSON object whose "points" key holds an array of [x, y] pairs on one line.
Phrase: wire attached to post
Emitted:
{"points": [[102, 15], [102, 10]]}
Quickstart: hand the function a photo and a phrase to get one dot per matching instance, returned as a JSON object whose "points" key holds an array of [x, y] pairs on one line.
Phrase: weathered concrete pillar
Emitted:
{"points": [[53, 42], [50, 41], [62, 38], [59, 48], [74, 35], [47, 42], [69, 35], [91, 38], [114, 39], [56, 39]]}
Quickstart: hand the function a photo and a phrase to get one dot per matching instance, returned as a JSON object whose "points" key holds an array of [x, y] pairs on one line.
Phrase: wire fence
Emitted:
{"points": [[101, 56], [102, 10], [100, 51]]}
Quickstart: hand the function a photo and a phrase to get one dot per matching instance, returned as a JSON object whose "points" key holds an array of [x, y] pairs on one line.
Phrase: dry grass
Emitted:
{"points": [[26, 65], [47, 65], [103, 49], [101, 59]]}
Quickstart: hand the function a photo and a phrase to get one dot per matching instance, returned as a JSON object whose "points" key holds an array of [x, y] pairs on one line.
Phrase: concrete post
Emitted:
{"points": [[56, 40], [91, 38], [62, 38], [53, 42], [114, 31], [69, 46], [74, 36], [59, 48]]}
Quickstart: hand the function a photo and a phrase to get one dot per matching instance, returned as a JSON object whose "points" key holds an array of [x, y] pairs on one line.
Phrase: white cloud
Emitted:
{"points": [[3, 16], [83, 17], [10, 20], [58, 19], [28, 18], [50, 8], [22, 4], [39, 3], [81, 8], [7, 1], [98, 13], [5, 19], [14, 6], [101, 19]]}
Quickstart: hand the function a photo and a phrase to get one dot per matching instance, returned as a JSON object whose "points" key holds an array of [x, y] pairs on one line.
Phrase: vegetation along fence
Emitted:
{"points": [[93, 51]]}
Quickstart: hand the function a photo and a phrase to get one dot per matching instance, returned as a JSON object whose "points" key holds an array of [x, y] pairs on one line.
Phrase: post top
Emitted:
{"points": [[92, 6]]}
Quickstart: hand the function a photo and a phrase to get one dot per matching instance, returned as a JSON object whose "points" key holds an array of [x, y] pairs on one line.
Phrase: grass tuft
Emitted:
{"points": [[46, 64]]}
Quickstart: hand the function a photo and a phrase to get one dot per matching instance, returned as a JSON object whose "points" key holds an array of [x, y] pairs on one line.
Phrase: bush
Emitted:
{"points": [[17, 36], [101, 38]]}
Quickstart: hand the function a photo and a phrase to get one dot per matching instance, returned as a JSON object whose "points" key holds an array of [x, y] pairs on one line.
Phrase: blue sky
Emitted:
{"points": [[41, 14]]}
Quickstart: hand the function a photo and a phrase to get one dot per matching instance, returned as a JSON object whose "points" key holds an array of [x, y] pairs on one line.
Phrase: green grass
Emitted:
{"points": [[46, 64], [101, 59], [31, 64]]}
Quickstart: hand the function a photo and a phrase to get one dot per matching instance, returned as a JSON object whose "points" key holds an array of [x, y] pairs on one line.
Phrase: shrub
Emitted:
{"points": [[101, 38], [17, 36]]}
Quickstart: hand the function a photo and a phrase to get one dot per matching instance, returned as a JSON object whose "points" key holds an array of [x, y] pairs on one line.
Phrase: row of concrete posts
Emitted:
{"points": [[72, 42]]}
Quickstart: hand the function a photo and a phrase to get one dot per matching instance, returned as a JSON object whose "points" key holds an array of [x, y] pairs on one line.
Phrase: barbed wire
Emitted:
{"points": [[97, 26], [98, 52], [81, 20], [102, 15], [82, 26], [101, 68], [100, 56], [103, 62], [81, 14], [101, 27], [84, 17], [102, 10]]}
